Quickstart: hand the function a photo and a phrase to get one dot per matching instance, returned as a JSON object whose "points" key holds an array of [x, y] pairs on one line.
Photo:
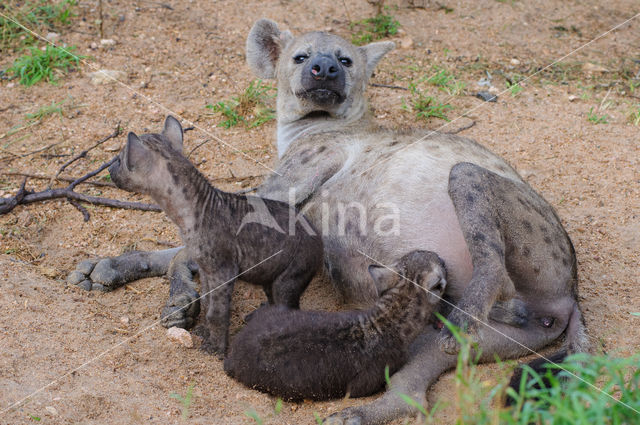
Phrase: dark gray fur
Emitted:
{"points": [[211, 225], [319, 355]]}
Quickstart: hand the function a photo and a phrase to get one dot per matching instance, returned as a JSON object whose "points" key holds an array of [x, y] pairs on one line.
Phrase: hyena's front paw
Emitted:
{"points": [[181, 310], [349, 416], [97, 274], [466, 325]]}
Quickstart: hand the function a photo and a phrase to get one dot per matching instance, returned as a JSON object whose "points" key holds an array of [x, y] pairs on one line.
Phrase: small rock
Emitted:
{"points": [[106, 42], [106, 76], [49, 272], [52, 36], [124, 320], [572, 97], [52, 410], [406, 43], [93, 45], [486, 96], [515, 62], [592, 67], [181, 336], [11, 85]]}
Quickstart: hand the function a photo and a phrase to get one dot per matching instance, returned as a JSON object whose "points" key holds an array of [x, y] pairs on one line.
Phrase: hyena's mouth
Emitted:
{"points": [[323, 97]]}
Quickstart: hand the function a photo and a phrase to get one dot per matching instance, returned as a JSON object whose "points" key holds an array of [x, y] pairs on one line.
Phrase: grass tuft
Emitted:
{"points": [[376, 28], [596, 118], [249, 108], [36, 15], [44, 64], [185, 401]]}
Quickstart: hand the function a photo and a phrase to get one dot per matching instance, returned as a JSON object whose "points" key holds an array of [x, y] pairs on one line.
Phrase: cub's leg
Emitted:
{"points": [[519, 251], [217, 289], [109, 273]]}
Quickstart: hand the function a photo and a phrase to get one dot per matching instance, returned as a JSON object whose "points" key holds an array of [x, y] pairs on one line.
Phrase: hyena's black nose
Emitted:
{"points": [[324, 68]]}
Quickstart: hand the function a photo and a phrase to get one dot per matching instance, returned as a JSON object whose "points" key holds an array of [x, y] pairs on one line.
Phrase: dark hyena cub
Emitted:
{"points": [[320, 355], [263, 242]]}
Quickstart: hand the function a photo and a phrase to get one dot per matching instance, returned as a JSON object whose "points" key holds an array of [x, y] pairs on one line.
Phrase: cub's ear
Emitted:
{"points": [[383, 277], [172, 131], [134, 152], [373, 52], [264, 45]]}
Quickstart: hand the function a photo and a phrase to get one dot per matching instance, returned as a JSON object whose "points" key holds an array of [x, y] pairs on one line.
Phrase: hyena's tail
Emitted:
{"points": [[576, 341]]}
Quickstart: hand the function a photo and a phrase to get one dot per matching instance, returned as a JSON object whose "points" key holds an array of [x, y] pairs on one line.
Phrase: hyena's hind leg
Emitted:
{"points": [[109, 273], [524, 266]]}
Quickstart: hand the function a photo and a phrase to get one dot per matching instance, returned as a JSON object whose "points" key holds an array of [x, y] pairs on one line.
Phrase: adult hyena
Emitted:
{"points": [[511, 266]]}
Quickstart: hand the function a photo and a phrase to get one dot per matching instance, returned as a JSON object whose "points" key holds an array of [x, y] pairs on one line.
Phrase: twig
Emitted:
{"points": [[463, 128], [84, 153], [196, 147], [83, 210], [101, 18], [25, 197], [388, 86], [64, 179], [184, 130]]}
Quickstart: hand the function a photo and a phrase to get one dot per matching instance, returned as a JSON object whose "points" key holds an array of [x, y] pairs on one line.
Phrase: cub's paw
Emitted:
{"points": [[448, 342], [210, 344], [349, 416], [181, 310]]}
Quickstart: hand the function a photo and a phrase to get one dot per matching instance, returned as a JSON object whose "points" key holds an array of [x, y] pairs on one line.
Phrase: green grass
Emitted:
{"points": [[445, 80], [513, 84], [427, 106], [44, 64], [634, 115], [595, 118], [45, 111], [185, 401], [37, 15], [249, 108], [376, 28]]}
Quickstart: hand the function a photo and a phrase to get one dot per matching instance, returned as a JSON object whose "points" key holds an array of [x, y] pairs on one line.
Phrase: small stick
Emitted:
{"points": [[463, 128], [64, 179], [388, 86], [84, 153], [83, 210]]}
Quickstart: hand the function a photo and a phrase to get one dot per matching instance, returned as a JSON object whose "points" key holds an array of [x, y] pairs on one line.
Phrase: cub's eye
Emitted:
{"points": [[346, 61], [300, 58]]}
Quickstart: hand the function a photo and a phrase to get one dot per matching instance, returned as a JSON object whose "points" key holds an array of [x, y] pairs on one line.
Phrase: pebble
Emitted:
{"points": [[106, 76], [486, 96], [93, 45], [124, 320], [406, 43], [52, 36], [592, 67], [572, 97], [52, 410], [515, 62], [180, 336], [106, 42]]}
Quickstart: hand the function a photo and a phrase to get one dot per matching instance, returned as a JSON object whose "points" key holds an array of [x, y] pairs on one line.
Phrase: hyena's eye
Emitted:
{"points": [[300, 58], [346, 61]]}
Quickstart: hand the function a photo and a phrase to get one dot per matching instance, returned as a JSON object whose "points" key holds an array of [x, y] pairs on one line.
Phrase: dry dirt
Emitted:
{"points": [[92, 357]]}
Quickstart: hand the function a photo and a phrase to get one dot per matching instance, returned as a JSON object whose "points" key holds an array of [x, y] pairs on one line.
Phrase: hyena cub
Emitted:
{"points": [[321, 355], [263, 242]]}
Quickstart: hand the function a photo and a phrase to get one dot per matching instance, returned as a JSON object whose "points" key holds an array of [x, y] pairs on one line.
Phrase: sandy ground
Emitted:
{"points": [[96, 358]]}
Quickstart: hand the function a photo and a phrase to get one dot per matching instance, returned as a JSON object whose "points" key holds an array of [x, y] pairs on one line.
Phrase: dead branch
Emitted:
{"points": [[388, 86], [463, 128], [83, 210], [84, 153], [64, 179]]}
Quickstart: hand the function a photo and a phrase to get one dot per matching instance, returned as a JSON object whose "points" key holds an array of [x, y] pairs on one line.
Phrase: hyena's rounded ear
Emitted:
{"points": [[264, 45], [383, 277], [373, 52], [172, 131], [134, 152]]}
